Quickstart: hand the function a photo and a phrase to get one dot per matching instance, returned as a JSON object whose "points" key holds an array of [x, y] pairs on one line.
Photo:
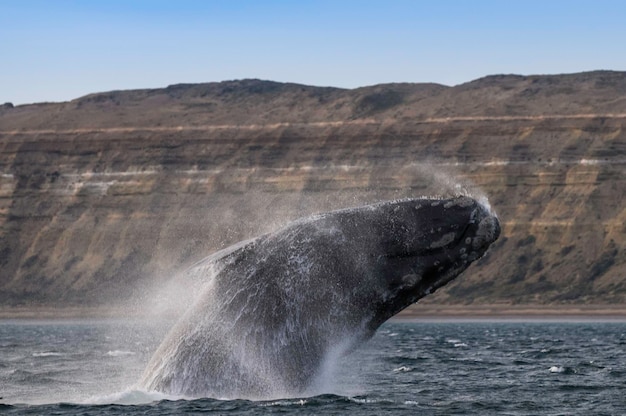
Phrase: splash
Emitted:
{"points": [[444, 181], [256, 366]]}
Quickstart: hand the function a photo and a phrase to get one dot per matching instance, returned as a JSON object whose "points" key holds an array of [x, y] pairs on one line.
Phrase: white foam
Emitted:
{"points": [[48, 354], [288, 403], [119, 353], [367, 400]]}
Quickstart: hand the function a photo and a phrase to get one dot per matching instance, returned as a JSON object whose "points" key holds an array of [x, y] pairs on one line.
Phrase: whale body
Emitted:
{"points": [[275, 308]]}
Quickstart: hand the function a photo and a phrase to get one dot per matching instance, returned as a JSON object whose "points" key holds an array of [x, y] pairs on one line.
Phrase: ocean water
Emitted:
{"points": [[427, 368]]}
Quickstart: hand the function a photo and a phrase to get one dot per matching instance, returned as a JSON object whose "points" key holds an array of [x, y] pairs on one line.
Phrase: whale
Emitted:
{"points": [[275, 310]]}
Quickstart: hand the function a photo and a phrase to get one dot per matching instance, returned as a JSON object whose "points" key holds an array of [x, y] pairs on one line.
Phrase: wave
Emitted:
{"points": [[48, 354], [140, 398], [456, 343], [562, 370], [131, 397], [136, 402]]}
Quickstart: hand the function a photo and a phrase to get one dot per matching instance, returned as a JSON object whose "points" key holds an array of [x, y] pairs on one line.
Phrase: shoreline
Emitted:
{"points": [[611, 312], [413, 313]]}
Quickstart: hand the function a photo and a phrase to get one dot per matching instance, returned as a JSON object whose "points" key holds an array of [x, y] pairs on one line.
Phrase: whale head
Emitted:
{"points": [[425, 244]]}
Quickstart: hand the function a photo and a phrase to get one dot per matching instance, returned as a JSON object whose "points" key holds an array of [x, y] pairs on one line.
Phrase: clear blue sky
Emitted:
{"points": [[56, 50]]}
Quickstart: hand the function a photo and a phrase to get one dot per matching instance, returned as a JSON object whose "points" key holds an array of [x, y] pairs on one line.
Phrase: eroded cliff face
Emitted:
{"points": [[107, 196]]}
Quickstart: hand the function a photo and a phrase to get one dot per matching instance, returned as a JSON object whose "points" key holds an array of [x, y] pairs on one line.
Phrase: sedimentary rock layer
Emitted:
{"points": [[110, 194]]}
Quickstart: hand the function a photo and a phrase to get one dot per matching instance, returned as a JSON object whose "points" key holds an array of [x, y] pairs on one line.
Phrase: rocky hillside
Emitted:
{"points": [[107, 196]]}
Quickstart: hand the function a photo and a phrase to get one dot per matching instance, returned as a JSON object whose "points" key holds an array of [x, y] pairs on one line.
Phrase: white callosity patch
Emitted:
{"points": [[443, 241]]}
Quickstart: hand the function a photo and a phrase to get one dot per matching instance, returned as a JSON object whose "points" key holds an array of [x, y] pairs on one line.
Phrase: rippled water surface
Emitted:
{"points": [[439, 368]]}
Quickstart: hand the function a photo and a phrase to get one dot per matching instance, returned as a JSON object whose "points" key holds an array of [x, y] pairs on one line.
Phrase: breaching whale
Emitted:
{"points": [[276, 307]]}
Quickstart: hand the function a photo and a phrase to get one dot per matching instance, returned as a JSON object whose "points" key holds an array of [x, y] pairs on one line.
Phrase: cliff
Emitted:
{"points": [[107, 196]]}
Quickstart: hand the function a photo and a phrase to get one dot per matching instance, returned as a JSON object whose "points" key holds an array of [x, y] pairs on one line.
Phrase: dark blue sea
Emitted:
{"points": [[428, 368]]}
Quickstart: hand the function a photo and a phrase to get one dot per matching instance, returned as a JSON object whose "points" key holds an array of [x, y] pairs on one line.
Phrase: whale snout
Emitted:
{"points": [[487, 232], [483, 228]]}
